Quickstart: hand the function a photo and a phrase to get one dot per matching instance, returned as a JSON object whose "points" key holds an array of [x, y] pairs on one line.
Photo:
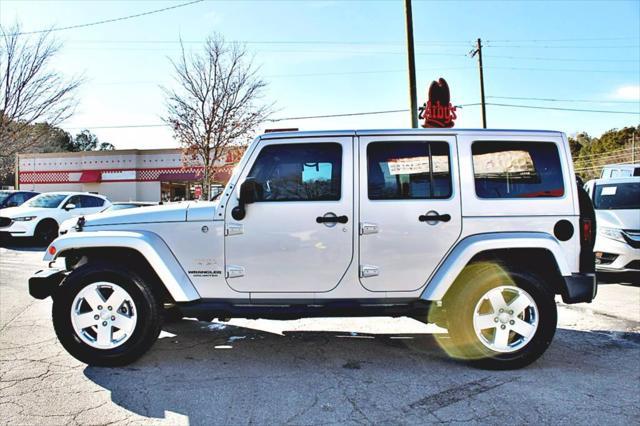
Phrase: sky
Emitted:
{"points": [[334, 57]]}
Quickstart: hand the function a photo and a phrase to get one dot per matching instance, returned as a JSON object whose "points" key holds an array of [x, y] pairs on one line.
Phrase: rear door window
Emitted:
{"points": [[517, 169], [88, 201], [408, 170]]}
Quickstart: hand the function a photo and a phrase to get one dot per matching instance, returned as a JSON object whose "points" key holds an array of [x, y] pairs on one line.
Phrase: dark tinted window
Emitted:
{"points": [[91, 202], [617, 196], [19, 198], [299, 172], [85, 201], [408, 170], [517, 170]]}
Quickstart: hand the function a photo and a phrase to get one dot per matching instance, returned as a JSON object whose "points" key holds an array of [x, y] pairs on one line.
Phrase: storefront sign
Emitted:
{"points": [[438, 111]]}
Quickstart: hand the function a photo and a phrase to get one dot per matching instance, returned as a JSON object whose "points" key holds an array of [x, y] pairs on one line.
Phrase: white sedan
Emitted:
{"points": [[41, 216]]}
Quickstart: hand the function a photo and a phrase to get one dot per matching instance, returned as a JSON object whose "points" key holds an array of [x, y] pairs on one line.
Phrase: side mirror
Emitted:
{"points": [[69, 206], [12, 204], [248, 193]]}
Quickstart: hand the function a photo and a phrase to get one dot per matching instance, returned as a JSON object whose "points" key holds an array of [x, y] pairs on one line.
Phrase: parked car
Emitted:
{"points": [[620, 171], [41, 216], [15, 198], [473, 230], [120, 205], [617, 204]]}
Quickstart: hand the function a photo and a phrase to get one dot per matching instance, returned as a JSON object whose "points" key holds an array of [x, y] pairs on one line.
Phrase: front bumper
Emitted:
{"points": [[579, 288], [20, 228], [624, 252], [44, 283]]}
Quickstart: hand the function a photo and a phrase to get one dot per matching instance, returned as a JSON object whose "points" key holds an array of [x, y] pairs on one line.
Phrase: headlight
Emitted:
{"points": [[613, 233], [24, 218]]}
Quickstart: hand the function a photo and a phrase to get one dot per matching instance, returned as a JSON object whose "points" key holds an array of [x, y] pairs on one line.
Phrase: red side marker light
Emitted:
{"points": [[52, 250]]}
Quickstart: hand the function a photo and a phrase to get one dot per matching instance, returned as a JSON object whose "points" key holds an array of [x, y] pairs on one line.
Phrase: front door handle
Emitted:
{"points": [[332, 219], [433, 216]]}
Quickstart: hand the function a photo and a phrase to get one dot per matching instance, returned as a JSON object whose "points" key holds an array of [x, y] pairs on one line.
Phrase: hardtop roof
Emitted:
{"points": [[405, 132]]}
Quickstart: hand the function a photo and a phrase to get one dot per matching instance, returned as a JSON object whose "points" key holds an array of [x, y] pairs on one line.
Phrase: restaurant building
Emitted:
{"points": [[122, 175]]}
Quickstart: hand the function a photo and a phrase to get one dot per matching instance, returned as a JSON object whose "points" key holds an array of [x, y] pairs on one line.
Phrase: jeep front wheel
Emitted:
{"points": [[105, 315], [500, 319]]}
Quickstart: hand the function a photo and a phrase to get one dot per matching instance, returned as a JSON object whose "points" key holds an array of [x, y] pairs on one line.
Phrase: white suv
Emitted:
{"points": [[617, 204], [473, 230], [41, 216]]}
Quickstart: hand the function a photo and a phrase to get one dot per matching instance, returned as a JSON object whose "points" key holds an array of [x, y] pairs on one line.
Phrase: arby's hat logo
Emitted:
{"points": [[438, 111]]}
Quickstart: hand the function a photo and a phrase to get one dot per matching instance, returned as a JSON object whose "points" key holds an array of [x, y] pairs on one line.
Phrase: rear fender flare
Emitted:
{"points": [[470, 246]]}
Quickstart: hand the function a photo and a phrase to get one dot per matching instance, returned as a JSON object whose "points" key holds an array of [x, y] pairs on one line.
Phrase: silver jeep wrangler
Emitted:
{"points": [[474, 230]]}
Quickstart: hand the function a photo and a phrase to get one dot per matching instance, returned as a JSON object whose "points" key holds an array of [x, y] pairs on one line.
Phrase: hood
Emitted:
{"points": [[24, 211], [176, 212], [621, 219]]}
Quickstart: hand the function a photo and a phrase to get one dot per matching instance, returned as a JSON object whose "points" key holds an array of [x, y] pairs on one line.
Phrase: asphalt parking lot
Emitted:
{"points": [[346, 371]]}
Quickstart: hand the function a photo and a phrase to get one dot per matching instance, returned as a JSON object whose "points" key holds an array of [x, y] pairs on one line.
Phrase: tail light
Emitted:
{"points": [[587, 231]]}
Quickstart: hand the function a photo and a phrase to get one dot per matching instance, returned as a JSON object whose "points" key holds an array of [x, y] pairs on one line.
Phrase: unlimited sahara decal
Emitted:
{"points": [[203, 269]]}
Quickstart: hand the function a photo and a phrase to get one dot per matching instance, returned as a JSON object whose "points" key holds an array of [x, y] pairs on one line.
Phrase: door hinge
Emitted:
{"points": [[234, 271], [367, 271], [368, 228], [234, 229]]}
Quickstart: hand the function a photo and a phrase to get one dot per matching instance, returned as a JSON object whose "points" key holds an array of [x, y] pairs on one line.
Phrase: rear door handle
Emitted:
{"points": [[332, 219], [433, 216]]}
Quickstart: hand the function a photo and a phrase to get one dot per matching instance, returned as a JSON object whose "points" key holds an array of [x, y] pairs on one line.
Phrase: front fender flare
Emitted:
{"points": [[470, 246], [148, 244]]}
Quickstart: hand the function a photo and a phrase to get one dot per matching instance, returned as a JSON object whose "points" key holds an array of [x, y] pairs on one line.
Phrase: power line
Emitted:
{"points": [[563, 109], [563, 39], [107, 21], [590, 101], [622, 151], [279, 42], [543, 58], [580, 70], [616, 46], [352, 114]]}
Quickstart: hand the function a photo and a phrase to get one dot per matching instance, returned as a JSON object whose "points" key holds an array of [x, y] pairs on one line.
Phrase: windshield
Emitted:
{"points": [[120, 207], [617, 196], [48, 201], [4, 195]]}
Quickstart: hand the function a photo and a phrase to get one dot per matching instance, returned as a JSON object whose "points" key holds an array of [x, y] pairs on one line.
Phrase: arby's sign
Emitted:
{"points": [[438, 110]]}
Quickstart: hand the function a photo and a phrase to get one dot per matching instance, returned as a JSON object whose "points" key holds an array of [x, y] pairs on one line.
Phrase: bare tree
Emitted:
{"points": [[216, 104], [30, 92]]}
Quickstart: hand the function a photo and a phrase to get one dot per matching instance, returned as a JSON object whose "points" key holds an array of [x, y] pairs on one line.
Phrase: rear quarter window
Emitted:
{"points": [[517, 169]]}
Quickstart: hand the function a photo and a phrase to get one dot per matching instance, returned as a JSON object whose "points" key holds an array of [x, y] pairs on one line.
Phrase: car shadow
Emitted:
{"points": [[623, 278], [21, 244], [215, 373]]}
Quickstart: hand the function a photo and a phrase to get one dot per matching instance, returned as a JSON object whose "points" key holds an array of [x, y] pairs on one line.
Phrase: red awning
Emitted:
{"points": [[91, 176], [178, 177]]}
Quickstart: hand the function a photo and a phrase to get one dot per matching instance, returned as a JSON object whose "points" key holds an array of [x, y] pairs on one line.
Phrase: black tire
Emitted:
{"points": [[149, 314], [474, 282], [46, 231]]}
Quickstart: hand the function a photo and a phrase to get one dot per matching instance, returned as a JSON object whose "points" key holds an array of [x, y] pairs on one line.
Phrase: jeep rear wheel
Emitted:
{"points": [[499, 319], [105, 315]]}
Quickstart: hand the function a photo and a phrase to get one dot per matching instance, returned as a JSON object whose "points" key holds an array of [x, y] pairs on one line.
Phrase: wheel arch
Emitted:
{"points": [[46, 220], [539, 253], [145, 252]]}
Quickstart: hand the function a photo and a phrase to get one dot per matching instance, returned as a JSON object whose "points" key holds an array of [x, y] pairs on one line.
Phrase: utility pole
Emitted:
{"points": [[411, 58], [633, 147], [478, 51]]}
